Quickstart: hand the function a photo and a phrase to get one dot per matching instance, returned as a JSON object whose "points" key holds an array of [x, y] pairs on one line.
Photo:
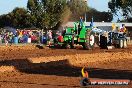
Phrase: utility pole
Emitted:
{"points": [[85, 16]]}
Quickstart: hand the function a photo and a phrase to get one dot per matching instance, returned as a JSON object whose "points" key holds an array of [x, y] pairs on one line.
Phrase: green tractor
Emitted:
{"points": [[80, 34]]}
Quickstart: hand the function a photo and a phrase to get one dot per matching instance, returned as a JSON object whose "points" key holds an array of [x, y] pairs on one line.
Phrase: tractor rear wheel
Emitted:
{"points": [[90, 40], [103, 42]]}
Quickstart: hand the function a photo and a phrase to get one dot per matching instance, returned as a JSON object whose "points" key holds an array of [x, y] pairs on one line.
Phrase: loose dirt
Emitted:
{"points": [[32, 67]]}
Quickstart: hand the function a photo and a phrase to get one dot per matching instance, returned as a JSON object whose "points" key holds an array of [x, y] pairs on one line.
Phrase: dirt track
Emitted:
{"points": [[31, 67]]}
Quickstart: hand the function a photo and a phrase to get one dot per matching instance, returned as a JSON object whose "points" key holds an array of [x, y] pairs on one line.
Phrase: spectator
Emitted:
{"points": [[6, 39], [123, 28], [49, 35]]}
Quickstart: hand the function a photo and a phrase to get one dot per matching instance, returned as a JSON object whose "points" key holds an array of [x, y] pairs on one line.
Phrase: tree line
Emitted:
{"points": [[50, 14], [124, 7]]}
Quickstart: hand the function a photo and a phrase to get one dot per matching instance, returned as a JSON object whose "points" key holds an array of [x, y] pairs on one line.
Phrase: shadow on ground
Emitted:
{"points": [[63, 68], [39, 46]]}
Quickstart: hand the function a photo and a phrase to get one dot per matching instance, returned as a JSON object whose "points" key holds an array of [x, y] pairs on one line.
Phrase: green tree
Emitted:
{"points": [[99, 16], [121, 5], [5, 20], [48, 13], [78, 8], [20, 18]]}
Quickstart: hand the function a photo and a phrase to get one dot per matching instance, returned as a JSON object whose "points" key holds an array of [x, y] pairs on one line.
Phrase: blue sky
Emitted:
{"points": [[100, 5], [7, 6]]}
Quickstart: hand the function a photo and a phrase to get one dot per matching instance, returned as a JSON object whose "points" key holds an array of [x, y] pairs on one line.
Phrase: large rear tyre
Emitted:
{"points": [[90, 40], [103, 42]]}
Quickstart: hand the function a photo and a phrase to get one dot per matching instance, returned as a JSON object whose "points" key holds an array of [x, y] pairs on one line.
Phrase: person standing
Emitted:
{"points": [[6, 39], [49, 34], [0, 39], [123, 28]]}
